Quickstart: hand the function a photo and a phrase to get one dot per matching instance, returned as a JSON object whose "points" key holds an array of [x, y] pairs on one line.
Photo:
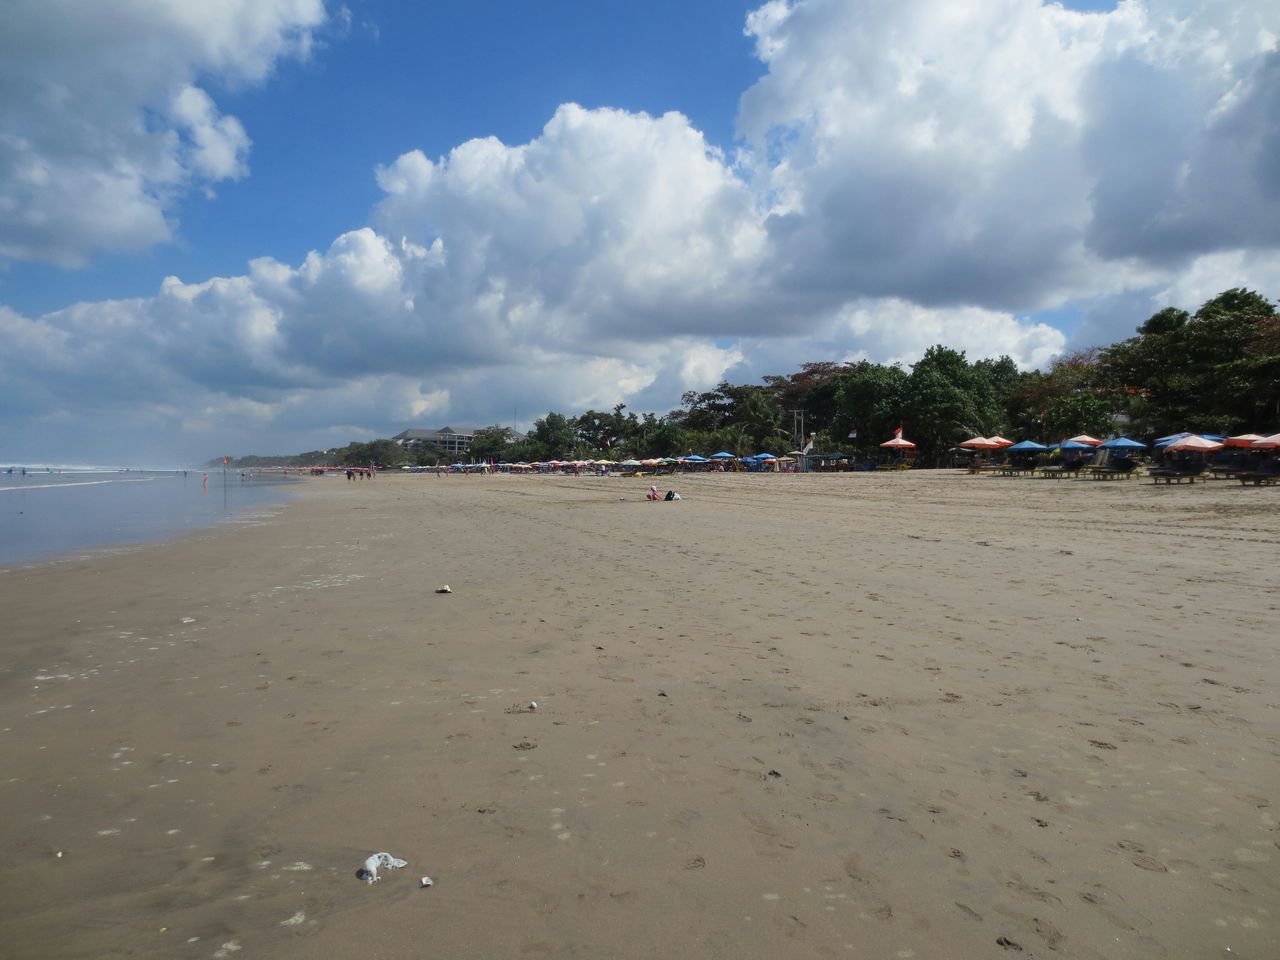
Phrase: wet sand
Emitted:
{"points": [[919, 715]]}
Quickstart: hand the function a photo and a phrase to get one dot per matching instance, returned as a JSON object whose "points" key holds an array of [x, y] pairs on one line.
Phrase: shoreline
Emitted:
{"points": [[111, 527], [995, 709]]}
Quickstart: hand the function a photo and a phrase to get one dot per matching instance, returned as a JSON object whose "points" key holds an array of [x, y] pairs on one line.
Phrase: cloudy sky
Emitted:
{"points": [[275, 225]]}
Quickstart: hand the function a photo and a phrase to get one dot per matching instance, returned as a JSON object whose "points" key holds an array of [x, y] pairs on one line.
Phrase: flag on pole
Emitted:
{"points": [[897, 434]]}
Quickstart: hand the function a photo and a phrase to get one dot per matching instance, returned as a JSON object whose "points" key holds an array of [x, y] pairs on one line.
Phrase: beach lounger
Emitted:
{"points": [[1178, 473], [1266, 474], [1061, 470], [1120, 470]]}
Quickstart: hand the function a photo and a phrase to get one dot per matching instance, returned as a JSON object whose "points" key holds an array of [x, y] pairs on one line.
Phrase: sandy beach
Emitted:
{"points": [[921, 715]]}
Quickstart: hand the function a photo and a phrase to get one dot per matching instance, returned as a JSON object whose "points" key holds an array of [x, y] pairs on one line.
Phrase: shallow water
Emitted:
{"points": [[51, 513]]}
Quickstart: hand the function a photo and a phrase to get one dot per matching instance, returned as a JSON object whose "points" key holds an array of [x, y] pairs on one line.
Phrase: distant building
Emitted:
{"points": [[446, 440]]}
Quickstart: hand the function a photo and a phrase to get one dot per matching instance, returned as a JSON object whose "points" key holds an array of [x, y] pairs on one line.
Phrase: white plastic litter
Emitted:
{"points": [[426, 882], [533, 704], [444, 589], [369, 872]]}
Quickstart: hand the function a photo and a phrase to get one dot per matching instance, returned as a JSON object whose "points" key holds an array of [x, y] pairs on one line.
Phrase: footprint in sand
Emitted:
{"points": [[1051, 935], [1149, 863]]}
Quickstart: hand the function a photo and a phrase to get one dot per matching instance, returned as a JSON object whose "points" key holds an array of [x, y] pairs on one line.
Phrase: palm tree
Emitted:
{"points": [[762, 419]]}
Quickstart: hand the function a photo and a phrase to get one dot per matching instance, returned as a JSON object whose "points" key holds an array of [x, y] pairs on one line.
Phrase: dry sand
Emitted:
{"points": [[920, 715]]}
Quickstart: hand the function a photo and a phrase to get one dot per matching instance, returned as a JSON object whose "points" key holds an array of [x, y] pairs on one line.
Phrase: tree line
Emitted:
{"points": [[1215, 370]]}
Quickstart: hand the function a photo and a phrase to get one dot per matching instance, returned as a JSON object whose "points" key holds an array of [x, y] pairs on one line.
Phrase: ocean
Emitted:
{"points": [[55, 511]]}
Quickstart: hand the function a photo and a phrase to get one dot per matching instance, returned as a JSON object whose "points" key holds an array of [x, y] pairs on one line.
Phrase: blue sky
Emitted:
{"points": [[410, 75], [428, 212]]}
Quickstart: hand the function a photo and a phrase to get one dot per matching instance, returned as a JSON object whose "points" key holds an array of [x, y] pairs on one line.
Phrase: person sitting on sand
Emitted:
{"points": [[653, 494]]}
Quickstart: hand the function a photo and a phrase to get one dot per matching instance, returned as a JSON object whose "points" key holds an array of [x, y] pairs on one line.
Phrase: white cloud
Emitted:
{"points": [[1010, 154], [913, 173], [105, 126], [597, 226]]}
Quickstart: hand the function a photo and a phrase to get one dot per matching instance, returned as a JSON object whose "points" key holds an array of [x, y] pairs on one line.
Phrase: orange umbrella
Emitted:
{"points": [[1243, 440], [1085, 438], [899, 444], [1270, 442], [981, 443], [1000, 441]]}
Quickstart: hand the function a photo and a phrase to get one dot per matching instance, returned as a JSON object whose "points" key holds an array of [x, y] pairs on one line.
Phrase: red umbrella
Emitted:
{"points": [[899, 444], [1243, 440]]}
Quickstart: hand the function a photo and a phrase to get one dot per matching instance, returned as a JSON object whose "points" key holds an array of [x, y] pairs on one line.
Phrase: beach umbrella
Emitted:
{"points": [[694, 458], [1087, 440], [1000, 441], [629, 463], [1123, 443], [1070, 445], [980, 443], [1027, 446], [897, 443], [1243, 440], [723, 456], [764, 456], [1267, 443], [1203, 444], [1166, 442]]}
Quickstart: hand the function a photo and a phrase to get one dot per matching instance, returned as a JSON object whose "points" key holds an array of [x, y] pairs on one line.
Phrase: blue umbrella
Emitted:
{"points": [[1027, 445], [693, 457], [1124, 443], [723, 456], [764, 456], [1071, 445]]}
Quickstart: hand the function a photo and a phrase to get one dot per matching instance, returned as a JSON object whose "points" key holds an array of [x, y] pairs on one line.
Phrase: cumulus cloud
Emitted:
{"points": [[599, 226], [1011, 154], [908, 174], [105, 126]]}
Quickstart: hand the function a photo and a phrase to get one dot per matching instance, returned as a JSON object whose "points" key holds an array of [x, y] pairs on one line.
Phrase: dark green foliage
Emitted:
{"points": [[379, 453], [1215, 370], [490, 443], [1074, 396]]}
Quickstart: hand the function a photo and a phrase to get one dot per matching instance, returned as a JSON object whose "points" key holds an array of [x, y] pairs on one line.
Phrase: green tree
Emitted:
{"points": [[762, 419], [870, 399], [1075, 395], [491, 443], [381, 453], [1218, 369], [605, 432]]}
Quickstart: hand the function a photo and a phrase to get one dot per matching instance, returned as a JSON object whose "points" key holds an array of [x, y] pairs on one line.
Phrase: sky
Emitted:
{"points": [[276, 225]]}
